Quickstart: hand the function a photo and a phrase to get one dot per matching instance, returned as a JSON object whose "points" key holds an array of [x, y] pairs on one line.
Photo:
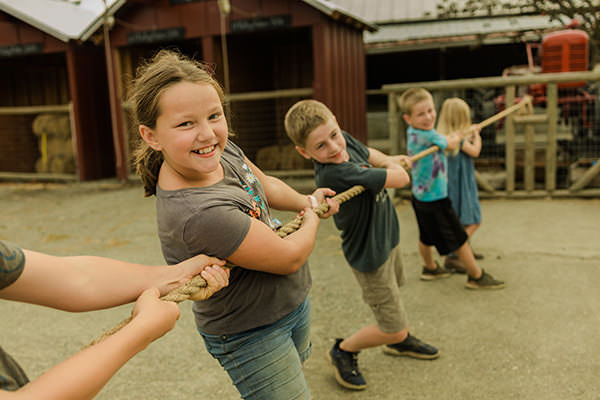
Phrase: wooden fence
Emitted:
{"points": [[395, 140]]}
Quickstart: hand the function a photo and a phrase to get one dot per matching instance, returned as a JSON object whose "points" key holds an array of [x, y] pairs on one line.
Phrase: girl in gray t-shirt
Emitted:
{"points": [[211, 199]]}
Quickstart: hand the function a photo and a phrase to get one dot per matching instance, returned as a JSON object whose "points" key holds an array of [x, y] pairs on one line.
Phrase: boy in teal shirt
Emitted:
{"points": [[369, 229]]}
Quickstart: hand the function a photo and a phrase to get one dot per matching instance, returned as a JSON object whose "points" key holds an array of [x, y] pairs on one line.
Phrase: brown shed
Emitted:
{"points": [[277, 51], [54, 114]]}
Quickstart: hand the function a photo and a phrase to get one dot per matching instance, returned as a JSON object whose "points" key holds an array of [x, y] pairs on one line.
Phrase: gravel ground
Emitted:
{"points": [[537, 339]]}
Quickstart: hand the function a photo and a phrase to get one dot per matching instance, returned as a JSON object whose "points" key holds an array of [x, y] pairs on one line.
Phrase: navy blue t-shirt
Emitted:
{"points": [[368, 222]]}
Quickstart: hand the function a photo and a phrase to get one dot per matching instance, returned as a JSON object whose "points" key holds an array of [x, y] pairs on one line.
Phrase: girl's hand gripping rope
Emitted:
{"points": [[324, 195]]}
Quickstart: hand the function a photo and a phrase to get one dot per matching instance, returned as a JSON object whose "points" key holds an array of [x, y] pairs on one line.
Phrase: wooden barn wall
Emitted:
{"points": [[340, 80], [33, 73], [89, 91], [28, 81], [34, 80], [294, 57], [15, 32], [267, 61], [198, 18], [18, 144], [201, 18]]}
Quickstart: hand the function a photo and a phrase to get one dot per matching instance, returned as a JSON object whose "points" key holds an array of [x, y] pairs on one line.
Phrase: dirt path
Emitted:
{"points": [[537, 339]]}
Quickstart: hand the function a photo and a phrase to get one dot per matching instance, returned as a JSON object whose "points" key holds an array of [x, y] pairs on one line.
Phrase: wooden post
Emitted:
{"points": [[509, 153], [74, 137], [394, 130], [393, 123], [529, 166], [552, 111]]}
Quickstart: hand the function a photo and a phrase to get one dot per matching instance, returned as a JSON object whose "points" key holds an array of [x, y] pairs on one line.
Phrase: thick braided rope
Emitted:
{"points": [[177, 295], [194, 285], [321, 209]]}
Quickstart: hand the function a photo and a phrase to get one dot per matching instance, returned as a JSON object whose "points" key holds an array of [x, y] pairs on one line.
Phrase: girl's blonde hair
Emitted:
{"points": [[162, 71], [455, 115]]}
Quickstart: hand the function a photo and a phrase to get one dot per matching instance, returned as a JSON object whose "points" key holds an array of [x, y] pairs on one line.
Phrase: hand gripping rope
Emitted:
{"points": [[195, 284], [523, 103]]}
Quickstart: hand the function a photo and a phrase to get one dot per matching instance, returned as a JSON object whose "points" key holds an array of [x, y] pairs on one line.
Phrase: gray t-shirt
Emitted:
{"points": [[12, 262], [214, 220], [368, 222]]}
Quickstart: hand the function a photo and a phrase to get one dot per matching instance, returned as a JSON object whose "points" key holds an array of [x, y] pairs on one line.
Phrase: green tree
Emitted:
{"points": [[586, 12]]}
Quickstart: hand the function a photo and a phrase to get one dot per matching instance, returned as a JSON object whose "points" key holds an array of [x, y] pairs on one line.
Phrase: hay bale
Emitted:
{"points": [[52, 125], [58, 145]]}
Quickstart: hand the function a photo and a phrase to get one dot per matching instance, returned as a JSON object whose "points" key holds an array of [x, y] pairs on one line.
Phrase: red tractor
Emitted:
{"points": [[561, 51], [578, 130]]}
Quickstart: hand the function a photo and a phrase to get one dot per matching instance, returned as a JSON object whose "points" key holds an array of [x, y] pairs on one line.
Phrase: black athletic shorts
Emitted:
{"points": [[439, 225]]}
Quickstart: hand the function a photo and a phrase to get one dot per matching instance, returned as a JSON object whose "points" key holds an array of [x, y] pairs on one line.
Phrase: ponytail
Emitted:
{"points": [[147, 164]]}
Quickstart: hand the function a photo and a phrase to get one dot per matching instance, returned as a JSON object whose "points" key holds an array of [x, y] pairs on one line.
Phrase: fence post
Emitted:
{"points": [[529, 165], [552, 111], [393, 123], [509, 133]]}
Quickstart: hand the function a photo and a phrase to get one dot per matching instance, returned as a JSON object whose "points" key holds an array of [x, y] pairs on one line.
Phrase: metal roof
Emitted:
{"points": [[385, 11], [454, 28], [65, 20], [413, 24]]}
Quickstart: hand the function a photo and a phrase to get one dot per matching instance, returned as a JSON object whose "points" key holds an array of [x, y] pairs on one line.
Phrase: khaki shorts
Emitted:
{"points": [[381, 291]]}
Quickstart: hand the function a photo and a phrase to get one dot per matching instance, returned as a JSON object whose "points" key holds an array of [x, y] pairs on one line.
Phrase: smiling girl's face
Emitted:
{"points": [[191, 132]]}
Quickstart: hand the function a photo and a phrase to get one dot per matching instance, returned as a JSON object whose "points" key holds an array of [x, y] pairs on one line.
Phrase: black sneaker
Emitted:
{"points": [[345, 364], [412, 347], [430, 275], [485, 281]]}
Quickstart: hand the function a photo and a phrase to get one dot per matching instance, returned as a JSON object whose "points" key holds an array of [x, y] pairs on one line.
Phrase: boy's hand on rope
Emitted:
{"points": [[404, 161], [216, 278], [324, 195]]}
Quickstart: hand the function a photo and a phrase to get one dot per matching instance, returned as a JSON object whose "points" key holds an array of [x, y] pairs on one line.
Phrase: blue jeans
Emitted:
{"points": [[265, 363]]}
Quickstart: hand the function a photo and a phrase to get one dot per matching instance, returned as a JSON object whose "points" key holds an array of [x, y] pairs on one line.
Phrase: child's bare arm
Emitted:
{"points": [[263, 250], [453, 140], [85, 373], [84, 283], [472, 144], [283, 197], [397, 176]]}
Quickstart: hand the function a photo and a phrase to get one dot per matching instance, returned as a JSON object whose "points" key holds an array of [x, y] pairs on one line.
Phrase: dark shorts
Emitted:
{"points": [[439, 225]]}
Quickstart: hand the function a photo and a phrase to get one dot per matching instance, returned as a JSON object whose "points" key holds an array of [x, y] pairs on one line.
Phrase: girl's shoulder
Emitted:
{"points": [[233, 149]]}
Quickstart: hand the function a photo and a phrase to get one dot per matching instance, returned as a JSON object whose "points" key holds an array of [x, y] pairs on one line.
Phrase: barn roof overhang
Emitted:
{"points": [[63, 19]]}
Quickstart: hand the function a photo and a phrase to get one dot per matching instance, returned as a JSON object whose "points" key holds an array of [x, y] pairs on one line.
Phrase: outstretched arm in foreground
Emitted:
{"points": [[84, 283], [83, 375]]}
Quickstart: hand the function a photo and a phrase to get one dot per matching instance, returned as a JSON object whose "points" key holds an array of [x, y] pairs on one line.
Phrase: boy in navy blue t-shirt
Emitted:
{"points": [[369, 229]]}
